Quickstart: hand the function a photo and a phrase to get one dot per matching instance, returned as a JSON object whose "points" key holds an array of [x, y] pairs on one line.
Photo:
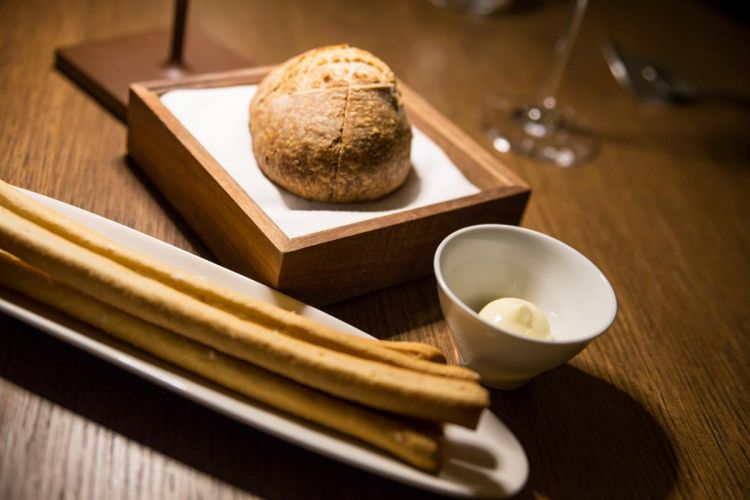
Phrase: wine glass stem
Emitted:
{"points": [[564, 50]]}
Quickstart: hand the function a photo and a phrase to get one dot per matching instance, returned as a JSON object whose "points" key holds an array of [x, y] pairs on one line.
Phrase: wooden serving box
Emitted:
{"points": [[329, 265]]}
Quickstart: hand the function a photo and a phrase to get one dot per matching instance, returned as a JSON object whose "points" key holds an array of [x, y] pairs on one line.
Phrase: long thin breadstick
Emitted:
{"points": [[265, 314], [375, 384], [417, 349], [409, 444]]}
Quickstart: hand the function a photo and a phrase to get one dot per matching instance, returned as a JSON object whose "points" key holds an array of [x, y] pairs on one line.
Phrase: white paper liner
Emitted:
{"points": [[218, 119]]}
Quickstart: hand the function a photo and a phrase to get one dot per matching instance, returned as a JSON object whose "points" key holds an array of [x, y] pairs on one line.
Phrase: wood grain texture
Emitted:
{"points": [[657, 408]]}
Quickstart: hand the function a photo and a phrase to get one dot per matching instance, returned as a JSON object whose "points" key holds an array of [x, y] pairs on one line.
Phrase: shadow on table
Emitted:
{"points": [[612, 447], [387, 313], [183, 431], [728, 148], [181, 224]]}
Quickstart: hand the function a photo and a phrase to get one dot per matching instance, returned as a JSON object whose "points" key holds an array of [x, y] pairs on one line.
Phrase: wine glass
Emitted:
{"points": [[543, 130]]}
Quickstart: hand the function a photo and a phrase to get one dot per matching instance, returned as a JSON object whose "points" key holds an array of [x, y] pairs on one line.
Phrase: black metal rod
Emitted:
{"points": [[178, 32]]}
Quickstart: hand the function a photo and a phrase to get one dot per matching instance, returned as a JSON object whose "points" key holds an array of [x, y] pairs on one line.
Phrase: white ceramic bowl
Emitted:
{"points": [[480, 263]]}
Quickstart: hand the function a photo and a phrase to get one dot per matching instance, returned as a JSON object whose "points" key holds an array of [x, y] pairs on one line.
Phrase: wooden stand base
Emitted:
{"points": [[106, 69]]}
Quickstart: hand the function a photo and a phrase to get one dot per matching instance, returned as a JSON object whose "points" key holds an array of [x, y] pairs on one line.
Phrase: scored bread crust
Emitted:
{"points": [[329, 125]]}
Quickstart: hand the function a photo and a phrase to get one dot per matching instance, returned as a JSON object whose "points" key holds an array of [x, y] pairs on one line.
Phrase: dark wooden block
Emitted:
{"points": [[106, 69]]}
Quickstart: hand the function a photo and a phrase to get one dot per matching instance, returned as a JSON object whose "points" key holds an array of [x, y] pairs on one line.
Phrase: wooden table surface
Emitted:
{"points": [[658, 407]]}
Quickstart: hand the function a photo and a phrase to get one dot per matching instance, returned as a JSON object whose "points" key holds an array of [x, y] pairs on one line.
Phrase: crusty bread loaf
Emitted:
{"points": [[329, 125]]}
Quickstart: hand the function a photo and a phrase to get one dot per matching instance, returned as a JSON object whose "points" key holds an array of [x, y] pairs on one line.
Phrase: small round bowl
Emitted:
{"points": [[478, 264]]}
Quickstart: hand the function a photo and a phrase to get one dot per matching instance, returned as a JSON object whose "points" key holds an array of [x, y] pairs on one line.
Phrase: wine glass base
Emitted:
{"points": [[546, 134]]}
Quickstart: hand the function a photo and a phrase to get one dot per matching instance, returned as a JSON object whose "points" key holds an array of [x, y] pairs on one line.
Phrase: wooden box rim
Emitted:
{"points": [[510, 184]]}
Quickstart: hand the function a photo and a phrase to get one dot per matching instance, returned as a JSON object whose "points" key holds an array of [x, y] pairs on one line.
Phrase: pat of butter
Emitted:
{"points": [[517, 316]]}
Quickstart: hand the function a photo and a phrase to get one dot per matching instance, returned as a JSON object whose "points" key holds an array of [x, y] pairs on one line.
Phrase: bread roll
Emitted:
{"points": [[329, 125]]}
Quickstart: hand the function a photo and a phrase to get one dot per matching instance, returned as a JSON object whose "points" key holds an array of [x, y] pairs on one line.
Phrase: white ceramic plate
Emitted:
{"points": [[486, 462]]}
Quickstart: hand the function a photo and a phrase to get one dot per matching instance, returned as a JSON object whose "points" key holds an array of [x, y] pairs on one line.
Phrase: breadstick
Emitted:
{"points": [[375, 384], [409, 444], [416, 349], [267, 315]]}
